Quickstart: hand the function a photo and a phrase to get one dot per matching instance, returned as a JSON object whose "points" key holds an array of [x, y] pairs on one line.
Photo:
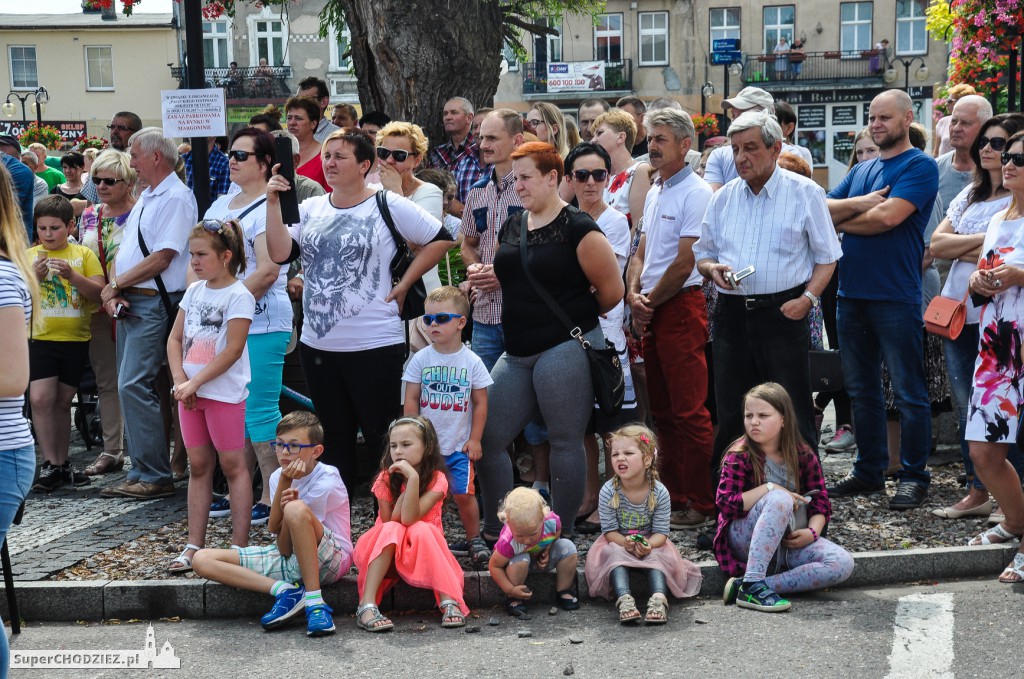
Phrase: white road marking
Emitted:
{"points": [[922, 644]]}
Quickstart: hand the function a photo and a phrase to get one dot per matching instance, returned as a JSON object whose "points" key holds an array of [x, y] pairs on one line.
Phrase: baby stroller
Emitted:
{"points": [[87, 410]]}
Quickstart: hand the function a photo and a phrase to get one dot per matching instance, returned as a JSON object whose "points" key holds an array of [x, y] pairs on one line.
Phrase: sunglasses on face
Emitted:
{"points": [[996, 143], [429, 319], [240, 156], [400, 156], [106, 181], [290, 448], [583, 175], [1016, 158]]}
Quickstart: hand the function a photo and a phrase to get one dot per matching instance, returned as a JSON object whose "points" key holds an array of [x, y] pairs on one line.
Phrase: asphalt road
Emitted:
{"points": [[962, 629]]}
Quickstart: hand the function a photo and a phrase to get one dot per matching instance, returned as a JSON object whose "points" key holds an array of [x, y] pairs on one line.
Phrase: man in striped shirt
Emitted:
{"points": [[460, 155]]}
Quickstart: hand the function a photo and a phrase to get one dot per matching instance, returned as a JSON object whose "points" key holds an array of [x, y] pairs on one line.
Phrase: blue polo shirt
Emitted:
{"points": [[887, 266], [24, 182]]}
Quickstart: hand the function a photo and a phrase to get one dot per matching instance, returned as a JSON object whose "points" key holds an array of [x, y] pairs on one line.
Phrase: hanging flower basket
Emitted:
{"points": [[706, 125], [86, 142], [47, 135]]}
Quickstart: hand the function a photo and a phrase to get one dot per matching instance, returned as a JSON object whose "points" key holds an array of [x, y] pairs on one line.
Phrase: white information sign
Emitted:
{"points": [[576, 76], [194, 113]]}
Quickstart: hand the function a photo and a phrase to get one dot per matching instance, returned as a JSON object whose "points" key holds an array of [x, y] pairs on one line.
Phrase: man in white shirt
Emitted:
{"points": [[778, 222], [669, 314], [149, 282], [720, 167]]}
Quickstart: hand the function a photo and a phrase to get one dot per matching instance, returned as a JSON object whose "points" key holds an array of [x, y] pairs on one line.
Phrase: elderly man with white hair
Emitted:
{"points": [[776, 222], [150, 280]]}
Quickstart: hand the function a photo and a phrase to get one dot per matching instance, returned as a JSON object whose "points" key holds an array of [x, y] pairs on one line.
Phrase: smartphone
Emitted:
{"points": [[289, 199], [119, 311], [734, 277]]}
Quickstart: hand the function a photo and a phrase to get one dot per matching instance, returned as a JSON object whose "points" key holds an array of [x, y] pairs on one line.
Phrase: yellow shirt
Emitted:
{"points": [[65, 312]]}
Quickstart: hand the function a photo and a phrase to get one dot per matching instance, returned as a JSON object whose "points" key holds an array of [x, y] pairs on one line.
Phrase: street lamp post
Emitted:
{"points": [[39, 99], [921, 73]]}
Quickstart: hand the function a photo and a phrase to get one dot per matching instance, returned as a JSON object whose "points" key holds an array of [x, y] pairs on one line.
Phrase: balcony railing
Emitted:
{"points": [[253, 82], [618, 77], [867, 65]]}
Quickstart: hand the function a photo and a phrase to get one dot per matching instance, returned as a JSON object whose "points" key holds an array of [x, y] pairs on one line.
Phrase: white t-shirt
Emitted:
{"points": [[446, 384], [346, 258], [207, 312], [430, 198], [324, 493], [273, 309], [616, 229], [721, 167], [674, 210]]}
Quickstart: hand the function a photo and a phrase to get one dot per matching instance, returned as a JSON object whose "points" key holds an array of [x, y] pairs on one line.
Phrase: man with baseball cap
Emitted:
{"points": [[22, 178], [721, 168]]}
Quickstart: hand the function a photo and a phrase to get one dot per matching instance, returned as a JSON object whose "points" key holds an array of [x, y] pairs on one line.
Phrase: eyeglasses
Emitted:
{"points": [[996, 143], [399, 155], [442, 318], [1016, 158], [121, 128], [290, 448], [534, 123], [240, 156], [217, 227], [106, 181], [583, 175]]}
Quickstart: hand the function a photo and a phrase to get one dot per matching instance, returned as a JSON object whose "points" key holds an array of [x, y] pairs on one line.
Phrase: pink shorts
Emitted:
{"points": [[216, 422]]}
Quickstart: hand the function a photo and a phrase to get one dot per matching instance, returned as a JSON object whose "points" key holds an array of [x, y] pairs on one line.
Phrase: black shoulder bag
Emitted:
{"points": [[416, 296], [609, 382], [170, 308]]}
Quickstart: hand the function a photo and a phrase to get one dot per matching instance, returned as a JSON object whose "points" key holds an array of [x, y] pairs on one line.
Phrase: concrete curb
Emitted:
{"points": [[65, 601]]}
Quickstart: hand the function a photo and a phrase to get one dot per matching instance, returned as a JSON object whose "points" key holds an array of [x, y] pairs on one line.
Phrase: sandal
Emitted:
{"points": [[516, 607], [657, 610], [451, 614], [567, 600], [179, 476], [479, 552], [371, 624], [183, 563], [628, 612], [106, 462], [1014, 573], [995, 535]]}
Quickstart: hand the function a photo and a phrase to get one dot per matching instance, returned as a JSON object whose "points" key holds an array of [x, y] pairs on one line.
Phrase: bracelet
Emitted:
{"points": [[301, 276], [814, 533]]}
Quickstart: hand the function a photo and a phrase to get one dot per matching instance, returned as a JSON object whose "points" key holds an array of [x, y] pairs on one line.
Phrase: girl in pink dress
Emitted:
{"points": [[407, 542]]}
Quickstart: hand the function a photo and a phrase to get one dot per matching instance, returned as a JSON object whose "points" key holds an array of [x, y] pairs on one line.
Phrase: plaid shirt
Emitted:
{"points": [[488, 205], [462, 161], [220, 175], [738, 477]]}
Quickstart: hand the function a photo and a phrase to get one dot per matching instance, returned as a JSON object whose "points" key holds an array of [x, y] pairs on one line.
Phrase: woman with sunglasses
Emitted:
{"points": [[353, 343], [544, 370], [588, 169], [959, 237], [302, 115], [996, 399], [251, 156], [101, 231]]}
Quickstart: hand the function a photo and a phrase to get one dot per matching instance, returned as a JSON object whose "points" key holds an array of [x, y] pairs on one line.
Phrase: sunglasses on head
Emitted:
{"points": [[106, 181], [583, 175], [399, 155], [996, 143], [1016, 158], [240, 156], [217, 227], [442, 318]]}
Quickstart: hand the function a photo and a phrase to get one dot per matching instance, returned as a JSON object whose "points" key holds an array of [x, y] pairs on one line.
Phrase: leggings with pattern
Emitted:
{"points": [[757, 536]]}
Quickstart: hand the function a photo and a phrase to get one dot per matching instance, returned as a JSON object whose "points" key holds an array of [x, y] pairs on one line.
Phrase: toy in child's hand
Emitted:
{"points": [[639, 539]]}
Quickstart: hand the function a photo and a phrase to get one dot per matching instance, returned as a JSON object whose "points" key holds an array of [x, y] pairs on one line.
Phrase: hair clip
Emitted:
{"points": [[644, 439]]}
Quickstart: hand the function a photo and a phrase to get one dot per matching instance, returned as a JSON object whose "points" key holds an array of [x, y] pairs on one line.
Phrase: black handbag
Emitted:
{"points": [[826, 368], [609, 382], [416, 297]]}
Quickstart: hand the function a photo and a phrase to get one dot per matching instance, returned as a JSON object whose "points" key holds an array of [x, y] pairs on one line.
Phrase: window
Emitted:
{"points": [[548, 47], [778, 23], [608, 38], [23, 67], [653, 38], [216, 45], [99, 67], [268, 38], [725, 23], [341, 60], [911, 37], [855, 26], [509, 55]]}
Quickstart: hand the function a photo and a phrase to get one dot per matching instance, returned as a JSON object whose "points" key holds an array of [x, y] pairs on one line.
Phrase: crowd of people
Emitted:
{"points": [[712, 271]]}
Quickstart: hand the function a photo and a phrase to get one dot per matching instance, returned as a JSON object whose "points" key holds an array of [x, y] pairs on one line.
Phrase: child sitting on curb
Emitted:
{"points": [[310, 515]]}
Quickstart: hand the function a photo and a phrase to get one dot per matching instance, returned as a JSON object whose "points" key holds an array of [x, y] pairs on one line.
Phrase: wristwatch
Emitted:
{"points": [[770, 486], [113, 284], [815, 300]]}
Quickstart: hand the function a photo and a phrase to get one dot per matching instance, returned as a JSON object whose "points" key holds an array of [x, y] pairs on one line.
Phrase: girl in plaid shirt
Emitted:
{"points": [[766, 475]]}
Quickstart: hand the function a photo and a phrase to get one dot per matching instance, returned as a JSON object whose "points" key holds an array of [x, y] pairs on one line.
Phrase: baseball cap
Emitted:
{"points": [[748, 98], [8, 140]]}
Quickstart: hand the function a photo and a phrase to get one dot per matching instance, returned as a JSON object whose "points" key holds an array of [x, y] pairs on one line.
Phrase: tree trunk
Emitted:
{"points": [[411, 56]]}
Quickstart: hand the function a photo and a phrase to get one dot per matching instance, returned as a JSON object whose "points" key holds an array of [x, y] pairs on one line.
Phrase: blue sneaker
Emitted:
{"points": [[260, 514], [220, 508], [286, 604], [319, 622]]}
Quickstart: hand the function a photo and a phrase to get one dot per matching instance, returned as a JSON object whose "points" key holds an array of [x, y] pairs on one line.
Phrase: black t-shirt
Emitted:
{"points": [[640, 148], [529, 325]]}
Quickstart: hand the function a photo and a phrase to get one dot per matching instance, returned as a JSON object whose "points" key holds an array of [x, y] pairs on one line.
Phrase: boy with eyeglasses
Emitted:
{"points": [[447, 384], [310, 516]]}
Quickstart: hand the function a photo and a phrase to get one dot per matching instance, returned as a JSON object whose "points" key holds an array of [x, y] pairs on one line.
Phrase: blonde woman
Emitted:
{"points": [[548, 123]]}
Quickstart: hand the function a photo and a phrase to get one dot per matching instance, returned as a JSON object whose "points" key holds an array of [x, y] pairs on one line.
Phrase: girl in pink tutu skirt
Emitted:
{"points": [[407, 541], [634, 507]]}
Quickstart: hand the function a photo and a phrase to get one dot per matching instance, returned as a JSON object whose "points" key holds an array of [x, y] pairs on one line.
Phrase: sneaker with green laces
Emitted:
{"points": [[758, 596]]}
